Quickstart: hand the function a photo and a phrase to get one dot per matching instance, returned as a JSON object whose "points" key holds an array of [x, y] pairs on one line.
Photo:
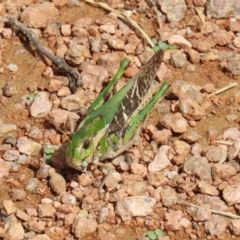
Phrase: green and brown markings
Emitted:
{"points": [[141, 84], [111, 126]]}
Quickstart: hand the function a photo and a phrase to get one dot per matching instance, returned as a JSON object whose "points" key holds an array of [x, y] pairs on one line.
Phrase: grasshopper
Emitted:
{"points": [[111, 126]]}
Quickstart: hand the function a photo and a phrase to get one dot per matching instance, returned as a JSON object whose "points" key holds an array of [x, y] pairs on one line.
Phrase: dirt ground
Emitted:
{"points": [[30, 69]]}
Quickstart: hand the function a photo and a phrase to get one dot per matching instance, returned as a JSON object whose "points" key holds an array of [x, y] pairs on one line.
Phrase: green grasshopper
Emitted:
{"points": [[111, 126]]}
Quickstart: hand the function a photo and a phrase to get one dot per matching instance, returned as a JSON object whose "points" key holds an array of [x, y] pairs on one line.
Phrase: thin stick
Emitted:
{"points": [[227, 214], [75, 79], [123, 17], [200, 14], [228, 143], [231, 85], [157, 13]]}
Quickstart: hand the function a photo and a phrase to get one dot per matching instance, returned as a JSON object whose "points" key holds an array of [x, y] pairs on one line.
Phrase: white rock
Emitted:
{"points": [[175, 121], [11, 155], [4, 168], [57, 184], [103, 214], [116, 43], [71, 102], [46, 210], [83, 226], [66, 29], [14, 231], [12, 67], [175, 10], [136, 206], [6, 128], [39, 14], [234, 150], [28, 146], [231, 194], [35, 224], [160, 161], [232, 134], [41, 105], [184, 222], [179, 41], [178, 59], [59, 117], [8, 207], [112, 180], [235, 227]]}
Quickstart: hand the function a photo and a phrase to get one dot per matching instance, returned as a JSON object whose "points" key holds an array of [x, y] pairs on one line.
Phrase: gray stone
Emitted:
{"points": [[175, 10], [46, 210], [28, 146], [136, 206], [83, 226], [57, 184], [14, 231]]}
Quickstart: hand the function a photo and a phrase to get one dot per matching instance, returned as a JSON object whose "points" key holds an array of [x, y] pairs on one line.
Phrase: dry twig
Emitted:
{"points": [[227, 214], [200, 14], [231, 85], [157, 13], [75, 79], [228, 143]]}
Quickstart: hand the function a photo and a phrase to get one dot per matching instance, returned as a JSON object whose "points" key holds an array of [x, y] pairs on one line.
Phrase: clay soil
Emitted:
{"points": [[30, 69]]}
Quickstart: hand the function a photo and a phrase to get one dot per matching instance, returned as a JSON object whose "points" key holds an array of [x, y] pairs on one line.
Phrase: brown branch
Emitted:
{"points": [[75, 79]]}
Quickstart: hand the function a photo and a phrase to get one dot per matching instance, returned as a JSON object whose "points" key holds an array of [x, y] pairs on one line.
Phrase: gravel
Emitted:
{"points": [[187, 165]]}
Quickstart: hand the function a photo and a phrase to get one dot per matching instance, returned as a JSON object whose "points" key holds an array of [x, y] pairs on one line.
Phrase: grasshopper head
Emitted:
{"points": [[79, 152]]}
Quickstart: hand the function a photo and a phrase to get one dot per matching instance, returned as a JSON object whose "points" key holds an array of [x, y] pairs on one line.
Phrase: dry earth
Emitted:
{"points": [[184, 161]]}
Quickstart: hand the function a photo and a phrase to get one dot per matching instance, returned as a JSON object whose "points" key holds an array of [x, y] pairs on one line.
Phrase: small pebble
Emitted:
{"points": [[57, 184], [32, 185], [14, 167], [11, 155], [14, 231], [43, 172], [46, 201], [18, 194], [22, 159], [68, 198], [12, 67], [22, 215], [231, 117], [9, 89], [10, 139], [46, 210], [9, 207]]}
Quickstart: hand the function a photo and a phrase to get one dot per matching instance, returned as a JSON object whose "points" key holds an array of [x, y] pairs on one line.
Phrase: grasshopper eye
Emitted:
{"points": [[86, 144]]}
